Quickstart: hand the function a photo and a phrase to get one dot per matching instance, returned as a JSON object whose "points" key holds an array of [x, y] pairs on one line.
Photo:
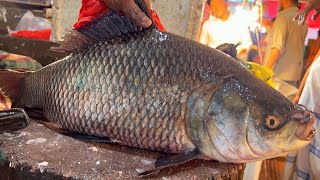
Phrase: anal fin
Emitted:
{"points": [[35, 113], [172, 161], [90, 138], [13, 120]]}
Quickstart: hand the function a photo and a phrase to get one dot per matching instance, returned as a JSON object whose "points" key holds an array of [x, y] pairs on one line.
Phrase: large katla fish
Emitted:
{"points": [[159, 91]]}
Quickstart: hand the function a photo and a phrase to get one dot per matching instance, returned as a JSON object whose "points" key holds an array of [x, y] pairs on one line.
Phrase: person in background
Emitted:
{"points": [[311, 51], [92, 9], [305, 163], [284, 53], [303, 82], [225, 27], [302, 17]]}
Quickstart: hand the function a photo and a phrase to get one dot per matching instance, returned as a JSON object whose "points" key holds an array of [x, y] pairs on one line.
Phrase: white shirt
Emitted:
{"points": [[288, 37], [305, 163], [215, 32], [310, 96]]}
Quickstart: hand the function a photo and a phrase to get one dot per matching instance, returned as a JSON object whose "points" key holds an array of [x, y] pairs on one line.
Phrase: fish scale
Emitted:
{"points": [[89, 93]]}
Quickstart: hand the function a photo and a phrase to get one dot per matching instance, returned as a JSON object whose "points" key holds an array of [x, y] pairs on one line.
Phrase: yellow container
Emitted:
{"points": [[5, 103], [261, 72]]}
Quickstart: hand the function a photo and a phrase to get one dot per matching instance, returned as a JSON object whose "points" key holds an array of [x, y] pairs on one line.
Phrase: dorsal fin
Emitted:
{"points": [[104, 28]]}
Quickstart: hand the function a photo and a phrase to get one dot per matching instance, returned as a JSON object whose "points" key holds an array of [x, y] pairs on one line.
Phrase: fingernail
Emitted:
{"points": [[145, 18], [146, 21]]}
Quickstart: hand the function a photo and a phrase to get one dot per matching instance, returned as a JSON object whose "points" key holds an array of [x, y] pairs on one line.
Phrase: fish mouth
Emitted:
{"points": [[305, 118]]}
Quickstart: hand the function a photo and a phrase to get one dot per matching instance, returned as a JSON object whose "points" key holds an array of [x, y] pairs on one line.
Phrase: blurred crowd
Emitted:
{"points": [[281, 45], [278, 43]]}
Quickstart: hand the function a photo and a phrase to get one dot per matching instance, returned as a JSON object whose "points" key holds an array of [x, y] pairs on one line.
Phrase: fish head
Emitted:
{"points": [[242, 123], [275, 128]]}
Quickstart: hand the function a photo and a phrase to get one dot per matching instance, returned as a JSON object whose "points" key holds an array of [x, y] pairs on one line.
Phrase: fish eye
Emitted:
{"points": [[272, 122]]}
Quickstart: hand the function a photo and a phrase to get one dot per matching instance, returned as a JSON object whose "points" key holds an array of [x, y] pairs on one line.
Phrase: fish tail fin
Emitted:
{"points": [[11, 83]]}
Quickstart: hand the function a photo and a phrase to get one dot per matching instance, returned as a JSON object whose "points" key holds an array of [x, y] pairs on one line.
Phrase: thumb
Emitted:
{"points": [[135, 14]]}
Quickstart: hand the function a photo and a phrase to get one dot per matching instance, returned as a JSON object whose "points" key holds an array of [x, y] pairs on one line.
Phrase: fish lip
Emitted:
{"points": [[309, 137], [301, 114], [305, 119], [305, 130]]}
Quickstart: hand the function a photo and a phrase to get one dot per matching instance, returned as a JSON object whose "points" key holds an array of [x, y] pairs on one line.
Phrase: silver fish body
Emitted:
{"points": [[154, 90], [132, 90], [162, 92]]}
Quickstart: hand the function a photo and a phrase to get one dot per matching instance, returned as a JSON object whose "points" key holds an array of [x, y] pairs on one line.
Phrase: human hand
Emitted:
{"points": [[131, 10], [303, 15]]}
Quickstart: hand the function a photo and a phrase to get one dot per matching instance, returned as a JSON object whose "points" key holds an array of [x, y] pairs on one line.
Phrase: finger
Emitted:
{"points": [[136, 15], [300, 18], [304, 18], [316, 15], [113, 4]]}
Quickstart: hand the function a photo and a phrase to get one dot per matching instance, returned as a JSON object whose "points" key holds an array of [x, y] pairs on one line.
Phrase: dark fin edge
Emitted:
{"points": [[172, 161], [35, 113], [104, 28], [13, 120], [83, 137]]}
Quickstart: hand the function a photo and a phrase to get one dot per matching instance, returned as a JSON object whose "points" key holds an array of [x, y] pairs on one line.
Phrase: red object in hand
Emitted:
{"points": [[92, 9], [156, 20], [39, 34]]}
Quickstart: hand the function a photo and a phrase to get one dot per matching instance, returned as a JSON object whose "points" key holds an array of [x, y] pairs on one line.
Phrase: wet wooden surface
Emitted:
{"points": [[39, 152], [272, 169]]}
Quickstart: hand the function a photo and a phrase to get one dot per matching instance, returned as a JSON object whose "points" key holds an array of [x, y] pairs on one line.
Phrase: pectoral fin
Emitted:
{"points": [[13, 120], [172, 161]]}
